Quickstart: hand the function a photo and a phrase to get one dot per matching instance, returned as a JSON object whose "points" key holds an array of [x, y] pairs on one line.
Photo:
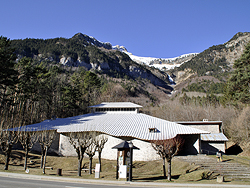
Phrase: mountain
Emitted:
{"points": [[218, 59], [204, 72], [99, 57], [213, 65], [84, 51], [154, 77], [160, 63]]}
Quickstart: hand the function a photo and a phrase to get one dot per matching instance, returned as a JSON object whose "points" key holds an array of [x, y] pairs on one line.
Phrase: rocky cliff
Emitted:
{"points": [[84, 51]]}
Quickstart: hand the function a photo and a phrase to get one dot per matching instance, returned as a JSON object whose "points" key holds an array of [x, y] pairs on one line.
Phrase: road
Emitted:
{"points": [[22, 182], [6, 182]]}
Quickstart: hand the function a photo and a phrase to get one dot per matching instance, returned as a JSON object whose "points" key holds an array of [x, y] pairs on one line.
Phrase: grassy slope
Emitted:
{"points": [[142, 170]]}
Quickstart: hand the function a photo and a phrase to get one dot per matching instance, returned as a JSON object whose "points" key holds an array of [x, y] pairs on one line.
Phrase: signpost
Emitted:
{"points": [[124, 160], [130, 160]]}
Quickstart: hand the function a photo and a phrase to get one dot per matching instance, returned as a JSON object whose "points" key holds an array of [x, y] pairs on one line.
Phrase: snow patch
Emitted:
{"points": [[162, 63]]}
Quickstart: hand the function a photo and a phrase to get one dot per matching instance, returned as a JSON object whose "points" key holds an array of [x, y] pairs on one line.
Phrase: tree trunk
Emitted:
{"points": [[44, 161], [26, 149], [90, 164], [80, 166], [42, 156], [100, 160], [80, 153], [7, 160], [169, 170], [26, 158], [164, 168]]}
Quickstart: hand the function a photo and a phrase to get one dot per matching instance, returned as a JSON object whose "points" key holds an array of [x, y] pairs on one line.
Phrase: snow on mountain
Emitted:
{"points": [[160, 63]]}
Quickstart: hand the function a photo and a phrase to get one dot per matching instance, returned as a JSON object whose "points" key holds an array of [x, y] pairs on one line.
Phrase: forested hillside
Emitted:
{"points": [[82, 51], [209, 70]]}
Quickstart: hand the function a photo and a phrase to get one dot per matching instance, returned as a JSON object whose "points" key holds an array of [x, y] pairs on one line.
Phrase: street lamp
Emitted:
{"points": [[130, 160]]}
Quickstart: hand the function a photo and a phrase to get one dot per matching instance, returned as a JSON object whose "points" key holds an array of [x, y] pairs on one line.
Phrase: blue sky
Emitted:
{"points": [[149, 28]]}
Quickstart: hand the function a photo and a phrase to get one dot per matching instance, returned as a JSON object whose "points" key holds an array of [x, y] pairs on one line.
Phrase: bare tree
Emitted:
{"points": [[239, 128], [100, 142], [8, 136], [90, 151], [45, 139], [7, 140], [167, 149], [27, 139], [80, 141]]}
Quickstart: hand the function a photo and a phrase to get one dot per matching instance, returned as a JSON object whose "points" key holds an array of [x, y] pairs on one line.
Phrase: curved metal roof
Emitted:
{"points": [[134, 125], [127, 125], [116, 105]]}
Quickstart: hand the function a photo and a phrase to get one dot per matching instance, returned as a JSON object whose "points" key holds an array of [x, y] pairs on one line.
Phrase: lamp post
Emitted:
{"points": [[130, 160]]}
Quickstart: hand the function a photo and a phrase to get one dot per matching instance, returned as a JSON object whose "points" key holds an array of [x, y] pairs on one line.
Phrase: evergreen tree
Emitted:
{"points": [[238, 85], [32, 90], [8, 74], [8, 110]]}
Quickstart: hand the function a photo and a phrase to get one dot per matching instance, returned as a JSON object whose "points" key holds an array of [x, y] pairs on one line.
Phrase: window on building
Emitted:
{"points": [[152, 130]]}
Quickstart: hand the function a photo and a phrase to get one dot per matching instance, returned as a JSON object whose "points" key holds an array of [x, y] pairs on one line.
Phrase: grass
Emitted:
{"points": [[245, 160], [143, 171]]}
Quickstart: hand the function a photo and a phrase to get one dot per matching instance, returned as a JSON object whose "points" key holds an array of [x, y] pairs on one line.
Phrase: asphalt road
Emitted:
{"points": [[12, 180], [29, 183]]}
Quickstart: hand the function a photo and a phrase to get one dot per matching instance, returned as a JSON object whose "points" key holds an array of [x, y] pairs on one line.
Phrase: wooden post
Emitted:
{"points": [[117, 164]]}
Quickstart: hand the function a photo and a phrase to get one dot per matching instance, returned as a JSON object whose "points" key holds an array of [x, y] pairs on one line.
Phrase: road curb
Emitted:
{"points": [[108, 182]]}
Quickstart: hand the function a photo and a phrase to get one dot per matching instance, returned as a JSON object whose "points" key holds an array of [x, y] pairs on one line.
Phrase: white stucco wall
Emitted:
{"points": [[213, 147], [197, 144], [145, 153], [219, 146], [65, 148]]}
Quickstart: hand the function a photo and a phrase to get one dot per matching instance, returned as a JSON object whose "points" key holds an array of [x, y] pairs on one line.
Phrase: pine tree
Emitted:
{"points": [[8, 110], [8, 74], [238, 85]]}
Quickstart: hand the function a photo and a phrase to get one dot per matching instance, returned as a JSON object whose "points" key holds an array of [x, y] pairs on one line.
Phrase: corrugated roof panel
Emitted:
{"points": [[214, 137], [116, 105], [120, 125]]}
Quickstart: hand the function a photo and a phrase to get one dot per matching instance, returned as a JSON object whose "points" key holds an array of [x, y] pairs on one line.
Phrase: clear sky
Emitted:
{"points": [[149, 28]]}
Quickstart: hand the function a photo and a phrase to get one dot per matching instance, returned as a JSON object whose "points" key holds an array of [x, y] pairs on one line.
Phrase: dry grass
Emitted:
{"points": [[142, 170]]}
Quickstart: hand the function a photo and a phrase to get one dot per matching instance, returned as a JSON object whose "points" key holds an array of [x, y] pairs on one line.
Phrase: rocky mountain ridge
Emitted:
{"points": [[91, 40], [214, 63], [91, 54], [160, 63], [115, 61]]}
